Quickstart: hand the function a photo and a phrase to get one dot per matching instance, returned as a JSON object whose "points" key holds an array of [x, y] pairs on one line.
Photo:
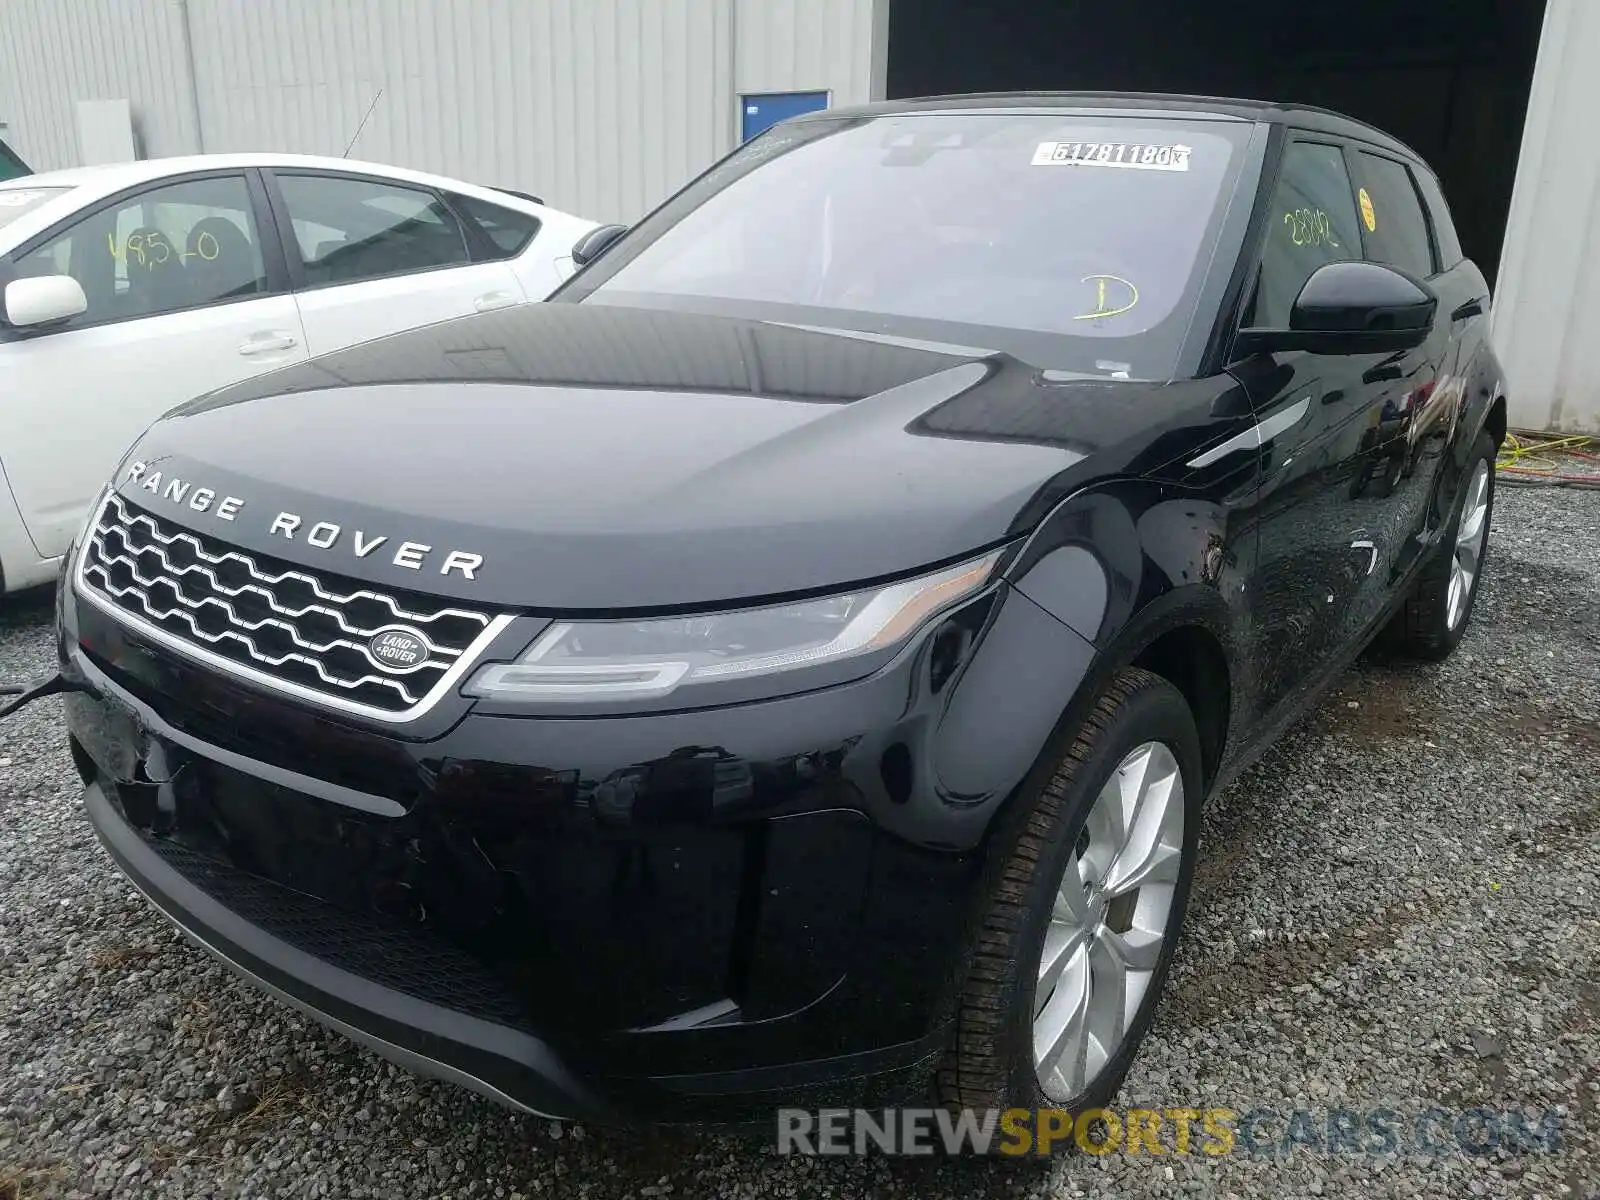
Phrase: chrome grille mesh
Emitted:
{"points": [[294, 626]]}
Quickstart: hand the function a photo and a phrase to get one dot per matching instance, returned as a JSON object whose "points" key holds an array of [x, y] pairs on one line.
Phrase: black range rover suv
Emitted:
{"points": [[787, 667]]}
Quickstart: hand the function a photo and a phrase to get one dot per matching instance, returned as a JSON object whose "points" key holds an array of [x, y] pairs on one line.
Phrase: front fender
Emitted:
{"points": [[1004, 708], [1109, 553], [1107, 573]]}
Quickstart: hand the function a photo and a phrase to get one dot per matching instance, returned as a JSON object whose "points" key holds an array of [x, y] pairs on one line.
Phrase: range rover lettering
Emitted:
{"points": [[787, 667]]}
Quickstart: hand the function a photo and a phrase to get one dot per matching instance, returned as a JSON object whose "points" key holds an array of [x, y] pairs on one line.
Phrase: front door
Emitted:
{"points": [[179, 303], [1327, 511]]}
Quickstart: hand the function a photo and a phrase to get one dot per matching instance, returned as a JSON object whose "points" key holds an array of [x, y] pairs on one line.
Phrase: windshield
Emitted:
{"points": [[14, 202], [1074, 242]]}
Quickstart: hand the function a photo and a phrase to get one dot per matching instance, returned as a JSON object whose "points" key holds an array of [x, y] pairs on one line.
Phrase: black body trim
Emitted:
{"points": [[152, 721], [499, 1062]]}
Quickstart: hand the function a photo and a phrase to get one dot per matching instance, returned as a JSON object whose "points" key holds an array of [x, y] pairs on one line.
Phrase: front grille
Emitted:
{"points": [[389, 954], [278, 622]]}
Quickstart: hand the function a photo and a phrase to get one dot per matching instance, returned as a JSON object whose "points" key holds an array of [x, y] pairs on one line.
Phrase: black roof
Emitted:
{"points": [[1302, 116]]}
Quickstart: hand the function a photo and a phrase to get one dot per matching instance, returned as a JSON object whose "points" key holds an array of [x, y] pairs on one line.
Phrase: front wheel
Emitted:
{"points": [[1084, 915], [1430, 623]]}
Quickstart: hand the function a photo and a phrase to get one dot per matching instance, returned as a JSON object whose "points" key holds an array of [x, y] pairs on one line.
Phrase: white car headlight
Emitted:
{"points": [[577, 661]]}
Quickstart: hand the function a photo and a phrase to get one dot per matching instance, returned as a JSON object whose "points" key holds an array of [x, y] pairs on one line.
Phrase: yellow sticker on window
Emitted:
{"points": [[1369, 216]]}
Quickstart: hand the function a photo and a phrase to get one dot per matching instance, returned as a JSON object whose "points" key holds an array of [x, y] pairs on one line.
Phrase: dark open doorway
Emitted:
{"points": [[1449, 77]]}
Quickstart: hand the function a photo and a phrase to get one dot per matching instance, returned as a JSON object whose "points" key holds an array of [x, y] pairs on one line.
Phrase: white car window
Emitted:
{"points": [[348, 229], [179, 246], [11, 167], [507, 230]]}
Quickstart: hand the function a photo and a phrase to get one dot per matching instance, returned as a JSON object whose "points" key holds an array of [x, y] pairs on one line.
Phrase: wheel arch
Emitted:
{"points": [[1191, 658], [1494, 421], [1143, 573], [1183, 637], [1487, 406]]}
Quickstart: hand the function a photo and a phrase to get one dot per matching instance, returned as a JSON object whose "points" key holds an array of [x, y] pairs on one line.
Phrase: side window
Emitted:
{"points": [[1444, 227], [11, 167], [1392, 225], [349, 229], [1311, 221], [508, 231], [179, 246]]}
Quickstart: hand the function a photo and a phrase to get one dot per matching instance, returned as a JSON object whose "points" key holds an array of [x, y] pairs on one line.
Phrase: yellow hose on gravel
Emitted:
{"points": [[1537, 458]]}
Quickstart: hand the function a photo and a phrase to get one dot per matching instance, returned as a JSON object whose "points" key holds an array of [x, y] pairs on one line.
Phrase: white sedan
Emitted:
{"points": [[132, 288]]}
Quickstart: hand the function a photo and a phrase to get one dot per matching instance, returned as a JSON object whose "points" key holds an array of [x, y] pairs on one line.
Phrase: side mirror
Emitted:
{"points": [[595, 243], [1351, 308], [43, 300]]}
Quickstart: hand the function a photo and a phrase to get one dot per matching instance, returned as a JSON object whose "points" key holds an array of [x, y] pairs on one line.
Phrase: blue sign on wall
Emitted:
{"points": [[761, 112]]}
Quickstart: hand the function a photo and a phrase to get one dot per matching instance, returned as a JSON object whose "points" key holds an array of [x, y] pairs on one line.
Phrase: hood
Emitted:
{"points": [[584, 458]]}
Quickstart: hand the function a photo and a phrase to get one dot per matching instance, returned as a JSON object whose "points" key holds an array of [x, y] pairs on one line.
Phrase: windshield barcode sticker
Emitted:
{"points": [[1130, 156]]}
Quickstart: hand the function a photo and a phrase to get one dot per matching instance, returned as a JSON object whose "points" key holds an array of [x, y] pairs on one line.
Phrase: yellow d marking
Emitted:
{"points": [[1100, 297]]}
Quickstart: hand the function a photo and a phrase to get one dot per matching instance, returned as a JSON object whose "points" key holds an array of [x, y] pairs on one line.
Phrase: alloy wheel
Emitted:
{"points": [[1108, 921], [1471, 534]]}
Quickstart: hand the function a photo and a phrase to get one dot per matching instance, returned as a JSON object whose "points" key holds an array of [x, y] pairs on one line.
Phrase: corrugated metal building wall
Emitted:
{"points": [[54, 53], [1547, 299], [604, 107]]}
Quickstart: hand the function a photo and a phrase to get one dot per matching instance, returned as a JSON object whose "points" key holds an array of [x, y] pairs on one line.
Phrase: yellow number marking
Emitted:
{"points": [[1310, 227], [153, 249], [132, 249], [1101, 310]]}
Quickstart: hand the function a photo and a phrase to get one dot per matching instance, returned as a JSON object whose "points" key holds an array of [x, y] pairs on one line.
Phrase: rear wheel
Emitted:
{"points": [[1430, 623], [1084, 917]]}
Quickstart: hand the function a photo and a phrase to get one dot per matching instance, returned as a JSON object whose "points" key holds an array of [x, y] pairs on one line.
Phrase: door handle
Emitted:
{"points": [[1472, 308], [490, 301], [266, 343]]}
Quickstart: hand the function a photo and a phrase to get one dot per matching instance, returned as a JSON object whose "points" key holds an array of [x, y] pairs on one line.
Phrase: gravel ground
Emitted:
{"points": [[1398, 908]]}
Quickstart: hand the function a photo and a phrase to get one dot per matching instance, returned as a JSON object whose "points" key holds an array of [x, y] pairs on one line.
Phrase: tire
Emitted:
{"points": [[991, 1063], [1433, 617]]}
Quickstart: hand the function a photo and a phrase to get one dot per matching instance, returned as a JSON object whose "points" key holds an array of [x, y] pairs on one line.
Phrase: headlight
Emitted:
{"points": [[574, 662]]}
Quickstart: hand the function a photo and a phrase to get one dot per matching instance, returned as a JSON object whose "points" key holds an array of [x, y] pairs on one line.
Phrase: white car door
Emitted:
{"points": [[181, 301], [377, 256]]}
